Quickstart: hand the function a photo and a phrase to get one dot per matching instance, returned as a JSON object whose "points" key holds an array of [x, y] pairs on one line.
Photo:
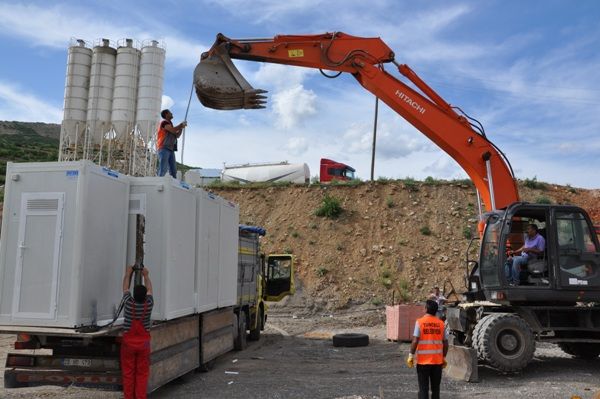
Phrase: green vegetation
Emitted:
{"points": [[543, 200], [340, 247], [425, 230], [321, 271], [389, 201], [295, 234], [403, 290], [410, 184], [571, 189], [288, 251], [467, 233], [430, 181], [313, 226], [376, 301], [330, 207], [462, 182], [25, 146], [534, 184]]}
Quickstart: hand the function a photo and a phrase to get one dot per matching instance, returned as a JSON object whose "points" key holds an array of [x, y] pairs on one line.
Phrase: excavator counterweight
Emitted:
{"points": [[219, 84]]}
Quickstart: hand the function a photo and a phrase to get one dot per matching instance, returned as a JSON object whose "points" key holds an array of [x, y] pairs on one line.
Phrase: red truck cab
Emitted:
{"points": [[332, 170]]}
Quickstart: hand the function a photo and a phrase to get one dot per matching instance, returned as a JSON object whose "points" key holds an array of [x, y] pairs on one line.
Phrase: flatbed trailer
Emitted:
{"points": [[83, 358], [91, 359]]}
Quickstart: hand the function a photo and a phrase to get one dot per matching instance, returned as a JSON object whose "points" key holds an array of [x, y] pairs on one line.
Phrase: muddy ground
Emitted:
{"points": [[294, 359]]}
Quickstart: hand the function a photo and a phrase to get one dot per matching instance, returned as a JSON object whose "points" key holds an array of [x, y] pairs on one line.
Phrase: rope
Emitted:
{"points": [[185, 120]]}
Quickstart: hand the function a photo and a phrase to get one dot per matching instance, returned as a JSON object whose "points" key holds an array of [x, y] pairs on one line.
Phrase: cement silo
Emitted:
{"points": [[102, 79], [125, 88], [150, 85], [79, 61]]}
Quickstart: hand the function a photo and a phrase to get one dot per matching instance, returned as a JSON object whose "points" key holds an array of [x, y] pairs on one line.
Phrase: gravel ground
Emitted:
{"points": [[294, 359]]}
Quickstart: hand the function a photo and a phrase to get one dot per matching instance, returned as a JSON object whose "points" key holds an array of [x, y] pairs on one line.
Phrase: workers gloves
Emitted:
{"points": [[410, 361]]}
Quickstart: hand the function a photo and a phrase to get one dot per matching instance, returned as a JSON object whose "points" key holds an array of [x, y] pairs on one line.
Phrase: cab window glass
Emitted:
{"points": [[578, 256]]}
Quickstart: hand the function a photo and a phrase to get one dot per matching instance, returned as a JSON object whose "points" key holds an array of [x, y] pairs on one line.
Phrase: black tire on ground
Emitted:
{"points": [[350, 340], [505, 341], [255, 332], [240, 343], [581, 350]]}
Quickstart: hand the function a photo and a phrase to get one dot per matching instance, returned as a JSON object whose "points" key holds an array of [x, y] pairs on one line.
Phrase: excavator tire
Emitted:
{"points": [[505, 341], [581, 350], [478, 334]]}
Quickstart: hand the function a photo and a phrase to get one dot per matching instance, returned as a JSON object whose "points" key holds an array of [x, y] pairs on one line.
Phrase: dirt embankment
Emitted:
{"points": [[392, 239]]}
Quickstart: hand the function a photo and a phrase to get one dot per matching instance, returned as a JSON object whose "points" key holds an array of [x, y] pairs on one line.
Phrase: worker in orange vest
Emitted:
{"points": [[429, 348]]}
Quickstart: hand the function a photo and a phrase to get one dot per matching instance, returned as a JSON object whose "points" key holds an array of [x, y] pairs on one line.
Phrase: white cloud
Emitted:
{"points": [[292, 106], [166, 102], [391, 143], [18, 105], [296, 145], [53, 26], [266, 10], [445, 167], [279, 76]]}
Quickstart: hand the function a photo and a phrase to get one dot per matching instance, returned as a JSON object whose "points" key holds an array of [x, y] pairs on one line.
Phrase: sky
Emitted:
{"points": [[529, 71]]}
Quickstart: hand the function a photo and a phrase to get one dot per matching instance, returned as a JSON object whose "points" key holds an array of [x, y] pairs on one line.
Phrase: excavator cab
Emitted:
{"points": [[569, 266], [279, 277]]}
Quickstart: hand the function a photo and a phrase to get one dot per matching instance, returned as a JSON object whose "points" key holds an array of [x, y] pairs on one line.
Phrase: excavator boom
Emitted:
{"points": [[220, 85]]}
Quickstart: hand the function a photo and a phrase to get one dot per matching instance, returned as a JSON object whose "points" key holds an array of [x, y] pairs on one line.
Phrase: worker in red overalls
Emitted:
{"points": [[429, 346], [135, 345]]}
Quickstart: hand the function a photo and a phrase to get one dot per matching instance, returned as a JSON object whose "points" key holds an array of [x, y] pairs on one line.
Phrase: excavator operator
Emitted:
{"points": [[532, 249]]}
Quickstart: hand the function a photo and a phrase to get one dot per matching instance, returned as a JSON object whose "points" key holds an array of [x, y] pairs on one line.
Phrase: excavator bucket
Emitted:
{"points": [[219, 84]]}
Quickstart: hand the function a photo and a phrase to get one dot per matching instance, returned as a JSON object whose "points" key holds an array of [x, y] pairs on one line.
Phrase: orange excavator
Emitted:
{"points": [[506, 308]]}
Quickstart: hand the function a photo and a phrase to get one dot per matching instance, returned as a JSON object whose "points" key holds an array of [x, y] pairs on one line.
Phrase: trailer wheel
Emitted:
{"points": [[350, 340], [240, 343], [255, 332], [581, 350], [505, 341]]}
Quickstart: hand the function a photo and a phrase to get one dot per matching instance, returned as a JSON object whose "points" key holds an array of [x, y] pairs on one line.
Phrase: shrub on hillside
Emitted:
{"points": [[330, 207], [410, 184], [534, 184], [543, 200]]}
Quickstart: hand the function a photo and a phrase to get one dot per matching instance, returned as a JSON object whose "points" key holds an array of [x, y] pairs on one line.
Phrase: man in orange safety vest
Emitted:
{"points": [[429, 348]]}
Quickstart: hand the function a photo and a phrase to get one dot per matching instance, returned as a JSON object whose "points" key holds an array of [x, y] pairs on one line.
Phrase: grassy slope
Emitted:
{"points": [[25, 146]]}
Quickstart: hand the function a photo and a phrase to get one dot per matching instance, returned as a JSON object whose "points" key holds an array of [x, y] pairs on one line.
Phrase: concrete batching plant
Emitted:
{"points": [[112, 103]]}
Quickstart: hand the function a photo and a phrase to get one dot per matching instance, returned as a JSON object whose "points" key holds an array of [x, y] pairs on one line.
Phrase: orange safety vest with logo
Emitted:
{"points": [[165, 139], [430, 348]]}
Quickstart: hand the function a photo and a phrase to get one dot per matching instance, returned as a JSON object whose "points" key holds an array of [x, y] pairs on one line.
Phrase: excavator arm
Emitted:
{"points": [[220, 85]]}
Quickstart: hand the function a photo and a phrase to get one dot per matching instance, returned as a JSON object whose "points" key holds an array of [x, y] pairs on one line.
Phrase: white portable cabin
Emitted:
{"points": [[169, 209], [216, 251], [63, 247], [268, 172], [228, 253]]}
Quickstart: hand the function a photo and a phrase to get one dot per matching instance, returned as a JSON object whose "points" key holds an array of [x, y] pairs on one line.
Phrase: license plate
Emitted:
{"points": [[77, 362]]}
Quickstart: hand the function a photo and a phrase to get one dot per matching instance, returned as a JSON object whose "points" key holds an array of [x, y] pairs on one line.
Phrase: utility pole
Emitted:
{"points": [[374, 139]]}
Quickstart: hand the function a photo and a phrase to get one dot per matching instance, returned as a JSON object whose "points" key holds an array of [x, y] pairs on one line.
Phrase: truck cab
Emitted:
{"points": [[331, 170]]}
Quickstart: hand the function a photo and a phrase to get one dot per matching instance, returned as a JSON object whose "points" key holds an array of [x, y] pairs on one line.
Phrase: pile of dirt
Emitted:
{"points": [[392, 242]]}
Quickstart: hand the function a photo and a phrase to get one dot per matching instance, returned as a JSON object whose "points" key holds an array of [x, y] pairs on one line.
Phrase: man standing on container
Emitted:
{"points": [[166, 143], [135, 345], [429, 347]]}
